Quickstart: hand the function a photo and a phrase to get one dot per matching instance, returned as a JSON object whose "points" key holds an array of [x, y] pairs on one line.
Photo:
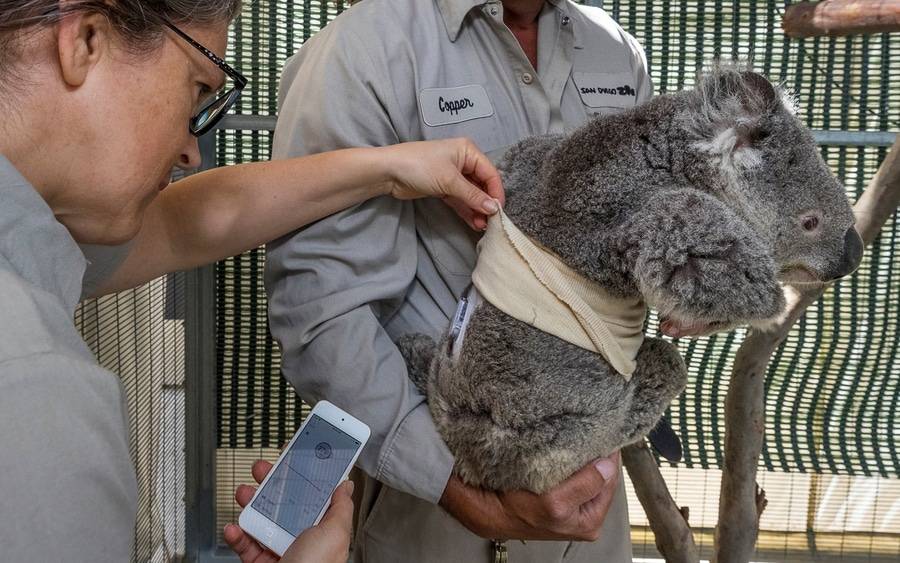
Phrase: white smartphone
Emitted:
{"points": [[297, 491]]}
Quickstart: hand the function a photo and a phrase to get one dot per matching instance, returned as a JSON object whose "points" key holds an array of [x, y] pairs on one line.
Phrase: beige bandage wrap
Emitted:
{"points": [[533, 285]]}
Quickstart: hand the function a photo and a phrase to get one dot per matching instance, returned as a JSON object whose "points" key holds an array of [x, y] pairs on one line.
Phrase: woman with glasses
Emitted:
{"points": [[99, 99]]}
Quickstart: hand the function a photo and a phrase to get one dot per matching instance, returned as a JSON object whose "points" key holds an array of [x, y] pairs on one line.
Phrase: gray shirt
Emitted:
{"points": [[66, 478], [343, 289]]}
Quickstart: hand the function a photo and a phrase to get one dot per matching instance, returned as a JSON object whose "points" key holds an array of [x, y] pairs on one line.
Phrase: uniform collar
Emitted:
{"points": [[561, 5], [454, 12], [37, 246]]}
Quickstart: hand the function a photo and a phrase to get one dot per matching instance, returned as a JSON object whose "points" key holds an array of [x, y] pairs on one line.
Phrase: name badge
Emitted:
{"points": [[606, 89], [444, 106]]}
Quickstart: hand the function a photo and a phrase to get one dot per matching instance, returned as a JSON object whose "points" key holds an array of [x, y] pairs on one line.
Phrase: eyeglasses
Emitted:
{"points": [[212, 112]]}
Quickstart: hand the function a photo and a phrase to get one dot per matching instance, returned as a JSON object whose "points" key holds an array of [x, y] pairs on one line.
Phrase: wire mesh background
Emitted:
{"points": [[139, 334], [831, 402], [833, 389]]}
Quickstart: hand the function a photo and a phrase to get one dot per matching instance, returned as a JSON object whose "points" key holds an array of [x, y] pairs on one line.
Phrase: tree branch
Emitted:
{"points": [[841, 17], [745, 405], [674, 538], [761, 502]]}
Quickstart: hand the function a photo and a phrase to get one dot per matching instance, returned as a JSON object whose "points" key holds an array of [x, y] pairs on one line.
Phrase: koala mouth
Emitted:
{"points": [[798, 275], [675, 328]]}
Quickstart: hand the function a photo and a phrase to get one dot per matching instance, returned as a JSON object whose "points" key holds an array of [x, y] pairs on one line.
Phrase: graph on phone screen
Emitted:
{"points": [[304, 480]]}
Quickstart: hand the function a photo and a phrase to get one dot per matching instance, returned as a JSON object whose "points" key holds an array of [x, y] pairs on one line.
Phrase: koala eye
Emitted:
{"points": [[810, 222]]}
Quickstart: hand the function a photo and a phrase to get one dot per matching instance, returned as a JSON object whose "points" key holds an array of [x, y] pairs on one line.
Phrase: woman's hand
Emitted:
{"points": [[327, 542], [452, 169]]}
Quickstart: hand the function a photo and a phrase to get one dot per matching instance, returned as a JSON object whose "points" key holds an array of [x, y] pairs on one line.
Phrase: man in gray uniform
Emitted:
{"points": [[342, 290]]}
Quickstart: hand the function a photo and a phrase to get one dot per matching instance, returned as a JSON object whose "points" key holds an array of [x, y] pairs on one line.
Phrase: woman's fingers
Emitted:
{"points": [[477, 182], [260, 469], [248, 549], [329, 541], [244, 494], [340, 514], [479, 169], [476, 221], [472, 196], [477, 193], [242, 544]]}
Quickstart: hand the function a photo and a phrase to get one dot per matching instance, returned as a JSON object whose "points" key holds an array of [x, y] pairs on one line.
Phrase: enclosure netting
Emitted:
{"points": [[139, 334], [834, 385]]}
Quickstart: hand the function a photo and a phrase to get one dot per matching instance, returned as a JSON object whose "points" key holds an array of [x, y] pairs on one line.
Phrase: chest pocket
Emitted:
{"points": [[446, 238], [606, 92]]}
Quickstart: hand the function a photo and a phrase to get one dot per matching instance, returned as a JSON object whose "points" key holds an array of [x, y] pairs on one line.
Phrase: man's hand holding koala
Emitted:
{"points": [[572, 510]]}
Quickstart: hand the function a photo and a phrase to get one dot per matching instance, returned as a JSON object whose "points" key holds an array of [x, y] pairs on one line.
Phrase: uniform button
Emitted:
{"points": [[565, 20], [527, 78], [494, 10]]}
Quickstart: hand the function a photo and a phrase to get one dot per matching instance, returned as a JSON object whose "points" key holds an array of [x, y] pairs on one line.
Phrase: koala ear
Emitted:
{"points": [[724, 85], [728, 111], [758, 95]]}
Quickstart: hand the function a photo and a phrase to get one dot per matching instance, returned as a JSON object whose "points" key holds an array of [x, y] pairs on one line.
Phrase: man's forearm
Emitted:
{"points": [[471, 506]]}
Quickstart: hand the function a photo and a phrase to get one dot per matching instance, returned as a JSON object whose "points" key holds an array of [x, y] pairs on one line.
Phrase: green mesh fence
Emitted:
{"points": [[831, 400], [139, 335], [256, 406], [833, 387], [831, 403]]}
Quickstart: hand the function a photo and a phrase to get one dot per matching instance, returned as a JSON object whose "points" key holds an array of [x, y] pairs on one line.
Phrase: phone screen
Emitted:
{"points": [[303, 481]]}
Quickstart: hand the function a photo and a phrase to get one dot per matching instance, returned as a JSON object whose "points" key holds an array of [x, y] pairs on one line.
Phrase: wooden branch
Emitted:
{"points": [[669, 523], [736, 533], [881, 198], [841, 17], [761, 502], [739, 512]]}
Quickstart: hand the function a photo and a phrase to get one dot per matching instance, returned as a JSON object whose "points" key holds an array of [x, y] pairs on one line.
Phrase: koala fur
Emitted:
{"points": [[701, 202]]}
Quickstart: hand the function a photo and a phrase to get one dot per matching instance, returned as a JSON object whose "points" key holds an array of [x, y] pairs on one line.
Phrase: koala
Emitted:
{"points": [[702, 203]]}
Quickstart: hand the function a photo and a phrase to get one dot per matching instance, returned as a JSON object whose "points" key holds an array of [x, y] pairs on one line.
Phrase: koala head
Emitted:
{"points": [[745, 145], [605, 199]]}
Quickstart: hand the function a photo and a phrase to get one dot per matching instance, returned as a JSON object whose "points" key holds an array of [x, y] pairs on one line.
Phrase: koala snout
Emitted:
{"points": [[851, 257]]}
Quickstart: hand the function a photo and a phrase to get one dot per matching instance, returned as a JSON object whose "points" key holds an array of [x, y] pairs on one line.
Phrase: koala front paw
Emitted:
{"points": [[713, 291], [660, 377], [418, 351], [700, 264]]}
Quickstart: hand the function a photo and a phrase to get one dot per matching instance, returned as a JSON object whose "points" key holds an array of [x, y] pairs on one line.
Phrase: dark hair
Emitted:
{"points": [[137, 21]]}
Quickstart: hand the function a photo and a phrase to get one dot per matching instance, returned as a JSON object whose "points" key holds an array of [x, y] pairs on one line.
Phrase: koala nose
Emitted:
{"points": [[852, 256]]}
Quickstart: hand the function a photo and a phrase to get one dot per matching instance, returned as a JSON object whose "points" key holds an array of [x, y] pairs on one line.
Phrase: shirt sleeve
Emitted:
{"points": [[641, 72], [332, 284], [69, 491]]}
